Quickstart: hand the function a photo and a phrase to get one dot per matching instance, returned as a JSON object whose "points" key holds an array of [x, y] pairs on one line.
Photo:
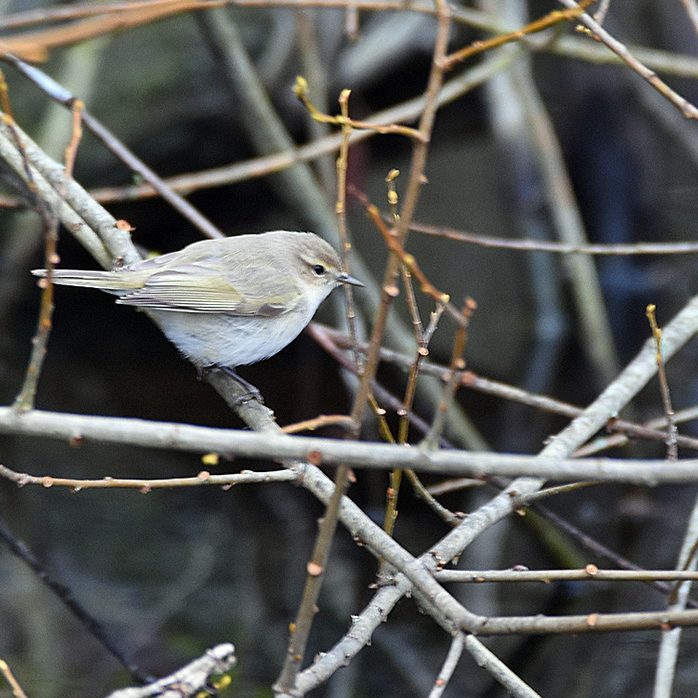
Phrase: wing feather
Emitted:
{"points": [[208, 285]]}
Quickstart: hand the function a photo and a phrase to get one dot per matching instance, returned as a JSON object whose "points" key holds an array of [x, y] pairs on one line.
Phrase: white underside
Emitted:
{"points": [[224, 340]]}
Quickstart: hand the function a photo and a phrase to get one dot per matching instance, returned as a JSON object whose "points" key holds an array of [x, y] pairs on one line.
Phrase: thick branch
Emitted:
{"points": [[280, 447]]}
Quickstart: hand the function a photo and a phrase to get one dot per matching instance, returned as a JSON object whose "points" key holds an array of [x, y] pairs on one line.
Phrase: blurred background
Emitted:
{"points": [[174, 572]]}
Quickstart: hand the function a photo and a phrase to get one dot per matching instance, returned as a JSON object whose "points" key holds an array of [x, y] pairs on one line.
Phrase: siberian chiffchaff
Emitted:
{"points": [[230, 302]]}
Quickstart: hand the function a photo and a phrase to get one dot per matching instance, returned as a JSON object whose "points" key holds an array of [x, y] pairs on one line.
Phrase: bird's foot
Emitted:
{"points": [[252, 392]]}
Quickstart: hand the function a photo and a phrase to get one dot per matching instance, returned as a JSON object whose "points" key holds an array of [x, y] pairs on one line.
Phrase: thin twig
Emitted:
{"points": [[408, 260], [317, 565], [528, 499], [590, 573], [546, 22], [672, 430], [62, 96], [500, 672], [49, 219], [422, 338], [414, 184], [144, 486], [600, 14], [449, 666], [36, 45], [611, 249], [194, 679], [308, 39], [469, 379], [351, 22], [93, 626], [691, 7], [446, 515], [384, 397], [392, 493], [316, 568], [598, 549], [454, 485], [301, 90], [451, 385], [341, 211], [670, 642], [17, 691], [599, 33], [325, 420]]}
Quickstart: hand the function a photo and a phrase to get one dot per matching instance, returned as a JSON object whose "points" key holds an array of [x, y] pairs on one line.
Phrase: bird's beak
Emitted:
{"points": [[345, 278]]}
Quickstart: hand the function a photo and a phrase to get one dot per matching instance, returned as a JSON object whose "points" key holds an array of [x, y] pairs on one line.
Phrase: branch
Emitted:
{"points": [[62, 96], [449, 666], [670, 642], [599, 33], [502, 243], [591, 573], [76, 429], [17, 690], [682, 65], [607, 405], [189, 680], [35, 46], [64, 594], [468, 379], [244, 477]]}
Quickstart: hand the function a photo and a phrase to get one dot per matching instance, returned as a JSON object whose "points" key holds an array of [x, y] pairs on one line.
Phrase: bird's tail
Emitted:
{"points": [[109, 281]]}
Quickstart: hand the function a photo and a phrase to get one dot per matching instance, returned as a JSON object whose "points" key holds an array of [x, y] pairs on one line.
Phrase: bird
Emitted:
{"points": [[226, 302]]}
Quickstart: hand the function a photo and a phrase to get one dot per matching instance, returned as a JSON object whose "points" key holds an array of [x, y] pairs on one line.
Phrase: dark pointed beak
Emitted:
{"points": [[345, 278]]}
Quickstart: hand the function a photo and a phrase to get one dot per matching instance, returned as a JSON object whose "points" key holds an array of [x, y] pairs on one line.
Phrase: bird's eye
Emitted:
{"points": [[318, 269]]}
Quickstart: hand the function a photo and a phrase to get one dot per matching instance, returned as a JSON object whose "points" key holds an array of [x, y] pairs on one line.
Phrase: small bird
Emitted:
{"points": [[229, 302]]}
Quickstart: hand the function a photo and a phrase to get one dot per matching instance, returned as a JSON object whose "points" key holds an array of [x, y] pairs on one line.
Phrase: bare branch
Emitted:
{"points": [[79, 428], [598, 32], [591, 573], [449, 666], [188, 681]]}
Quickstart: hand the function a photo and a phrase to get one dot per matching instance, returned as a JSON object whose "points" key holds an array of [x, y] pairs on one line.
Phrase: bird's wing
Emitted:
{"points": [[208, 285]]}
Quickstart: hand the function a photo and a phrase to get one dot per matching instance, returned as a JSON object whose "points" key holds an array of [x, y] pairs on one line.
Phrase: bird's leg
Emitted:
{"points": [[252, 391]]}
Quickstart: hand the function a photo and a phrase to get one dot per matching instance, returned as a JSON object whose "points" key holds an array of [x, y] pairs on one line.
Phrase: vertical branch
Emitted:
{"points": [[569, 227], [300, 629], [449, 666], [671, 639], [315, 69], [422, 353], [416, 180], [457, 365], [351, 22], [691, 7], [672, 430], [392, 492], [422, 339], [341, 211], [316, 566], [426, 124], [25, 399]]}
